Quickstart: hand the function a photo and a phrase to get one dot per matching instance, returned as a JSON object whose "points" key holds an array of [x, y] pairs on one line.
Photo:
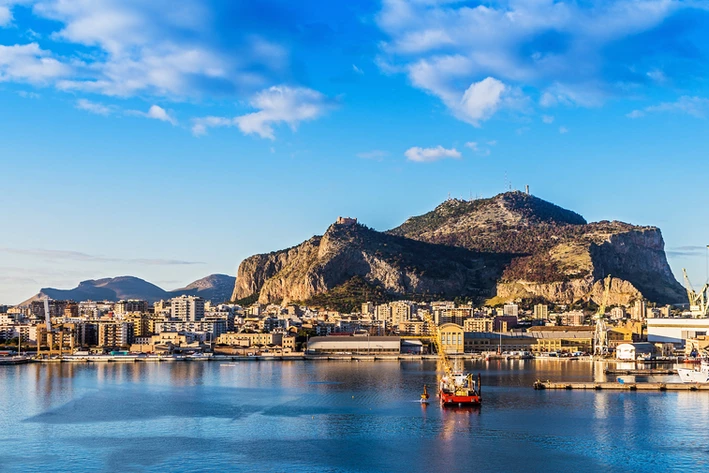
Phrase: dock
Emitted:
{"points": [[640, 372], [615, 386]]}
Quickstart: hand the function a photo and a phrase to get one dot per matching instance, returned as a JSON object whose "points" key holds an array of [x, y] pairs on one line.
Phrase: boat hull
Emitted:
{"points": [[459, 400]]}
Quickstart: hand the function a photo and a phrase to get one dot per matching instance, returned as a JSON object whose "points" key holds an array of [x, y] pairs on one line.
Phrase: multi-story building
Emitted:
{"points": [[573, 318], [250, 339], [639, 311], [115, 334], [511, 310], [187, 308], [541, 312], [131, 305], [213, 327], [617, 313], [478, 324], [141, 322], [368, 308]]}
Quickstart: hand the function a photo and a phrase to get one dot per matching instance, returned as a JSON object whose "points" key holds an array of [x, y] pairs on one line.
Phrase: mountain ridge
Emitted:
{"points": [[215, 287], [537, 250]]}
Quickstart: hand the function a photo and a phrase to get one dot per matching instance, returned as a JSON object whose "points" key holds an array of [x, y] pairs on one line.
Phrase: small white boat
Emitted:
{"points": [[696, 375]]}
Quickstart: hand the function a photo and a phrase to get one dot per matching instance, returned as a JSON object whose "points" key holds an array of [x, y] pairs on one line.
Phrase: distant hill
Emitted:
{"points": [[215, 288], [510, 247]]}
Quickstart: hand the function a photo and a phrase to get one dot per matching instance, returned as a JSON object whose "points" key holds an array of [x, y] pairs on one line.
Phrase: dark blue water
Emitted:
{"points": [[336, 417]]}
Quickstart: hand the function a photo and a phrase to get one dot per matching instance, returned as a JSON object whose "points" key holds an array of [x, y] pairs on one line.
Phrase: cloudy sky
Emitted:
{"points": [[170, 139]]}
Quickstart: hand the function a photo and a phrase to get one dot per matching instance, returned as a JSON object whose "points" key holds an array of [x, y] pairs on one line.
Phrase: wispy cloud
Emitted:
{"points": [[694, 106], [563, 130], [548, 119], [94, 107], [79, 256], [428, 155], [276, 105], [687, 251], [155, 112], [375, 154]]}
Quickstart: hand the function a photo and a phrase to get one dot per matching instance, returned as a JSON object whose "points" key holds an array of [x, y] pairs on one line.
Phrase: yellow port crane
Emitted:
{"points": [[697, 300], [438, 343], [600, 336]]}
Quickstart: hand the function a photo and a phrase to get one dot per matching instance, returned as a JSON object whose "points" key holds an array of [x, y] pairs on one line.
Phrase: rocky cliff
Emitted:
{"points": [[400, 267], [558, 256]]}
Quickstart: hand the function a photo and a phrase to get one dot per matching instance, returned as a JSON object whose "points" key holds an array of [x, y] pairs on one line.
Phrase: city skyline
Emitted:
{"points": [[170, 143]]}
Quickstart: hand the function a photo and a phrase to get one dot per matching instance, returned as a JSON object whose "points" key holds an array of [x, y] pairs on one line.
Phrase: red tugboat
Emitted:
{"points": [[460, 389]]}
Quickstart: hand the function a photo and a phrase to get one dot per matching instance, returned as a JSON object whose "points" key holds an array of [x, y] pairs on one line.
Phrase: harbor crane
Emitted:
{"points": [[698, 301], [600, 336], [52, 332]]}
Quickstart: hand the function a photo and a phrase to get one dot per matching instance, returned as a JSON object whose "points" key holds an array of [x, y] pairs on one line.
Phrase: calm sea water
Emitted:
{"points": [[336, 417]]}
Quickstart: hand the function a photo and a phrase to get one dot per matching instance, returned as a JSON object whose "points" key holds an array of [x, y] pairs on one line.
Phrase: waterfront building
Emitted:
{"points": [[562, 339], [634, 351], [478, 342], [115, 334], [354, 345], [251, 339], [187, 308], [677, 331], [452, 338]]}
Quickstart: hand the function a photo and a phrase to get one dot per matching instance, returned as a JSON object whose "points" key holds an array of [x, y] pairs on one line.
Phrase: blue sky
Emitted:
{"points": [[169, 140]]}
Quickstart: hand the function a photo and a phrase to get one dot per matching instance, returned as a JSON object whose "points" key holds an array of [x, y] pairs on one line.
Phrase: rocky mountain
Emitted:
{"points": [[352, 254], [559, 257], [513, 246], [216, 288]]}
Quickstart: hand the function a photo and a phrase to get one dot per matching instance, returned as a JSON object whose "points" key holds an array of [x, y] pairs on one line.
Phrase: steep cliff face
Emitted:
{"points": [[400, 266], [510, 247], [558, 256]]}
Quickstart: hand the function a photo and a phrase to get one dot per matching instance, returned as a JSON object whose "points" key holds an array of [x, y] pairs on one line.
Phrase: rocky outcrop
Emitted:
{"points": [[400, 266], [558, 256]]}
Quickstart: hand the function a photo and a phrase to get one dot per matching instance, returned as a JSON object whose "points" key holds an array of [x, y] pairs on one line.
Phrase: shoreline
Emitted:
{"points": [[299, 357]]}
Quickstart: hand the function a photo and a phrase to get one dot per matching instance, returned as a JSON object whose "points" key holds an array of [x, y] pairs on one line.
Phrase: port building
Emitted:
{"points": [[358, 344], [676, 331]]}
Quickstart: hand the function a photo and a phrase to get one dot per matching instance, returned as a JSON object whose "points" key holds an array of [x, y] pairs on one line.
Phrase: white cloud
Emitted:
{"points": [[548, 119], [277, 105], [472, 145], [427, 155], [28, 95], [157, 49], [375, 154], [93, 107], [5, 16], [481, 100], [31, 64], [480, 150], [563, 130], [357, 69], [492, 142], [158, 113], [697, 107], [446, 47]]}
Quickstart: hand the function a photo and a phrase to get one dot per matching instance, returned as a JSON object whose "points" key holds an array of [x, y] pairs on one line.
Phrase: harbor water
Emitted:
{"points": [[305, 416]]}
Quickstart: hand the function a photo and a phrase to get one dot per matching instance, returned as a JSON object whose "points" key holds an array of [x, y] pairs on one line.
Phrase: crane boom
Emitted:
{"points": [[47, 317], [438, 343]]}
